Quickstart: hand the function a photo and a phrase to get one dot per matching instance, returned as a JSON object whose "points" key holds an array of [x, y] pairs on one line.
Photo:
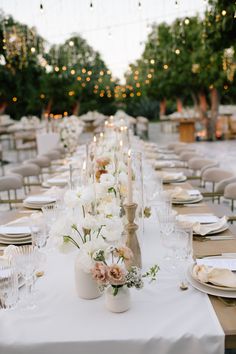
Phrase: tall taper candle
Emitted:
{"points": [[130, 189]]}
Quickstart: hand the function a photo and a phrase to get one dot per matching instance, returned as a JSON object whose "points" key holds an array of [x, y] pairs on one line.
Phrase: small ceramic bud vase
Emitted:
{"points": [[117, 303], [86, 286]]}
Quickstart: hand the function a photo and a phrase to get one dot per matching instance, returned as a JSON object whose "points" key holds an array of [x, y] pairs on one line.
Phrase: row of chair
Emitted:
{"points": [[30, 173], [223, 182]]}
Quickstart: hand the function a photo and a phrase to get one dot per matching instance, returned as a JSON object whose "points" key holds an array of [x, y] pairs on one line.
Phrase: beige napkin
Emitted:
{"points": [[168, 176], [204, 229], [159, 164], [181, 194], [216, 276]]}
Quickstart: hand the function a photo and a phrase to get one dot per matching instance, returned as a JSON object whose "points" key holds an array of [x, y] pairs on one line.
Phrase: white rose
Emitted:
{"points": [[107, 179]]}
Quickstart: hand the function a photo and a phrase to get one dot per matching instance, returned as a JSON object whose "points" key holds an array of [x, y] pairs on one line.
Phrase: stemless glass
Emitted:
{"points": [[8, 285], [38, 233], [25, 259], [183, 251]]}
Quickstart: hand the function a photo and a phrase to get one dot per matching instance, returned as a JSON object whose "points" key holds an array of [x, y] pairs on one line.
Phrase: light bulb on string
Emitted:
{"points": [[91, 5], [176, 3], [139, 4], [41, 7]]}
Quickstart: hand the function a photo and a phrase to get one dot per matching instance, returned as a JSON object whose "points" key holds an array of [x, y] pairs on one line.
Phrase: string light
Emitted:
{"points": [[91, 5], [139, 4], [56, 69], [64, 68], [176, 3], [71, 43], [224, 12], [41, 7], [177, 51], [72, 72], [32, 50], [14, 99], [152, 61], [165, 66], [186, 21]]}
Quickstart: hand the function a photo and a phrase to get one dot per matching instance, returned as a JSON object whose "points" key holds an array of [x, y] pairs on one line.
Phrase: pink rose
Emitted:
{"points": [[116, 274], [124, 252], [100, 273]]}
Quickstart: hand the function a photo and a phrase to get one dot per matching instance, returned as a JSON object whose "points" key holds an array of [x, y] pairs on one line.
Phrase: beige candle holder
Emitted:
{"points": [[132, 240]]}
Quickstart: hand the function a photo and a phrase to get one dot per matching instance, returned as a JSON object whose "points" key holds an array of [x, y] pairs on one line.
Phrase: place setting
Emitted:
{"points": [[206, 226], [214, 275], [171, 177], [182, 196]]}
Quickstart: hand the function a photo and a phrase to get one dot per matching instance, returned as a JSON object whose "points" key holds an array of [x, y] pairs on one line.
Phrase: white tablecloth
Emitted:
{"points": [[162, 319]]}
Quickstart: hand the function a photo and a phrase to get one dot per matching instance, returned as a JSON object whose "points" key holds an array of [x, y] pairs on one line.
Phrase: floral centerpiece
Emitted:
{"points": [[111, 273], [70, 129]]}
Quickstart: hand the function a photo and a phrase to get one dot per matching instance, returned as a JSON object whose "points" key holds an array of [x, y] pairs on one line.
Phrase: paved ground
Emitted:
{"points": [[223, 151]]}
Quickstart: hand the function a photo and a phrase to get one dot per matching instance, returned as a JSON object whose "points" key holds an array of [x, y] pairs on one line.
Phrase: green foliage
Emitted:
{"points": [[70, 77]]}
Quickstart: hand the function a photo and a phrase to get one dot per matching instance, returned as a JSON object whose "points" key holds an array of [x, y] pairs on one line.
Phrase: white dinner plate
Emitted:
{"points": [[40, 199], [15, 238], [59, 182], [215, 232], [207, 290], [35, 206], [15, 242], [177, 180], [188, 201], [10, 230], [212, 286]]}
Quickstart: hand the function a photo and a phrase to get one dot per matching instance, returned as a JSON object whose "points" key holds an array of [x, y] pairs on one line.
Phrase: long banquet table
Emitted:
{"points": [[162, 319]]}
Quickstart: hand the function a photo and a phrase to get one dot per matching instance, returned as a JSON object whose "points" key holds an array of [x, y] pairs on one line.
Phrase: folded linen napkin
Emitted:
{"points": [[167, 163], [216, 276], [169, 176], [40, 199], [204, 229], [183, 194]]}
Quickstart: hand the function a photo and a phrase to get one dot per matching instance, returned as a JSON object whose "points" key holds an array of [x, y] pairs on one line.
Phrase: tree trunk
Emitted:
{"points": [[195, 102], [203, 108], [163, 107], [211, 123], [76, 108], [3, 107], [49, 106], [179, 105]]}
